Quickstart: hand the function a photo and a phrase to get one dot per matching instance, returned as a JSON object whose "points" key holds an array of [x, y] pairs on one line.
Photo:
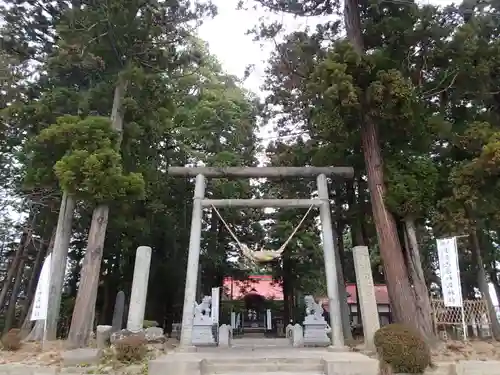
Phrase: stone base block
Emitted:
{"points": [[350, 363], [103, 335], [203, 335], [18, 369], [315, 335], [263, 361], [175, 365], [477, 368]]}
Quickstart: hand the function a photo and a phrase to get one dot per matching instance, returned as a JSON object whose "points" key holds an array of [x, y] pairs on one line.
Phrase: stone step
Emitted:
{"points": [[283, 373], [261, 365]]}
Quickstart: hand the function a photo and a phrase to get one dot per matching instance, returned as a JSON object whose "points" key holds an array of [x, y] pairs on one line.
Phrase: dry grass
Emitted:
{"points": [[480, 350], [32, 353]]}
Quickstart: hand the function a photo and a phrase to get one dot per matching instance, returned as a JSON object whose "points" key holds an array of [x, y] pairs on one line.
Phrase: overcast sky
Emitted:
{"points": [[227, 39]]}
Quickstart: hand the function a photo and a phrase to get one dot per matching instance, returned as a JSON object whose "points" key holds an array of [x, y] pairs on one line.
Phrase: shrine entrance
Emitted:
{"points": [[254, 315], [322, 202]]}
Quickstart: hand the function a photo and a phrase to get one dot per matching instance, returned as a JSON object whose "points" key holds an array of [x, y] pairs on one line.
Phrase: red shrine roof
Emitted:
{"points": [[254, 284], [265, 286], [381, 295]]}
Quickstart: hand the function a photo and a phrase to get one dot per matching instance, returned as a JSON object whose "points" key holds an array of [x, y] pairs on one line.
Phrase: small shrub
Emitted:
{"points": [[402, 349], [11, 341], [131, 348]]}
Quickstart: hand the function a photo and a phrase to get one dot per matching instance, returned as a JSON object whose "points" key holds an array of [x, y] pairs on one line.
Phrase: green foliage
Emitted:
{"points": [[429, 81], [411, 182], [82, 155], [403, 349]]}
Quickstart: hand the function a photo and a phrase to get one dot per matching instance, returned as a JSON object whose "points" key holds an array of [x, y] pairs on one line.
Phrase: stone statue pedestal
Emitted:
{"points": [[202, 332], [315, 331]]}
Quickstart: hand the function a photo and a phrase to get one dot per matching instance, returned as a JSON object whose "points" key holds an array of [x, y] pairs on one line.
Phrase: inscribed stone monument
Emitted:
{"points": [[297, 336], [366, 294], [118, 312], [225, 333], [139, 293]]}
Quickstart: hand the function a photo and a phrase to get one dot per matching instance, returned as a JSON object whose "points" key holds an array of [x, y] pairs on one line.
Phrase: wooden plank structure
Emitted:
{"points": [[322, 202]]}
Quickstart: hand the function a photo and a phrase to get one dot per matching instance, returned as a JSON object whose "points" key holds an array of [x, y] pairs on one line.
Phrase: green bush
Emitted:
{"points": [[131, 348], [11, 341], [402, 349]]}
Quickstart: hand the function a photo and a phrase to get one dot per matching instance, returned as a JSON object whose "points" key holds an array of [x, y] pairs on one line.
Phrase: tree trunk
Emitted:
{"points": [[495, 282], [396, 275], [10, 316], [27, 323], [288, 315], [398, 285], [36, 333], [35, 274], [483, 284], [58, 263], [414, 264], [13, 267], [356, 209], [345, 312], [83, 313], [86, 297]]}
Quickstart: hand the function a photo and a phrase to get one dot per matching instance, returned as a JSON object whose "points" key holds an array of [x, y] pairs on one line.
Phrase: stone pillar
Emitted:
{"points": [[118, 312], [137, 305], [330, 264], [366, 294], [192, 265]]}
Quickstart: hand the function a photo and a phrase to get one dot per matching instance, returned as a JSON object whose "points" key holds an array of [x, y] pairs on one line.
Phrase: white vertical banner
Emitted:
{"points": [[215, 305], [41, 298], [269, 321], [449, 272], [233, 320]]}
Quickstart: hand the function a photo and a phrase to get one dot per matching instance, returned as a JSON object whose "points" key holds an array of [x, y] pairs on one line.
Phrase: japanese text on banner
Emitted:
{"points": [[449, 271], [41, 299]]}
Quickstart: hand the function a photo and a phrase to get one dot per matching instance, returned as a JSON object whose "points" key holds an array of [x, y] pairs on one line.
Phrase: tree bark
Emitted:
{"points": [[13, 267], [483, 284], [356, 208], [35, 333], [84, 310], [83, 313], [58, 263], [414, 264], [344, 307], [10, 316], [35, 274], [398, 285]]}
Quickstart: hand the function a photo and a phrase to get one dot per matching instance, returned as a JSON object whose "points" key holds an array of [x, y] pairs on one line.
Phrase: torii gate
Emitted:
{"points": [[323, 202]]}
